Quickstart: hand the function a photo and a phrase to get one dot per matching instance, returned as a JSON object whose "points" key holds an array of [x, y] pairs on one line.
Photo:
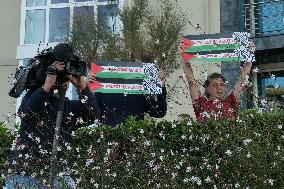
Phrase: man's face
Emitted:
{"points": [[216, 89]]}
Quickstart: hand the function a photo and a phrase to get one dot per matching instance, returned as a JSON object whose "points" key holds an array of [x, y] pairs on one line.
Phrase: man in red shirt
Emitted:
{"points": [[214, 105]]}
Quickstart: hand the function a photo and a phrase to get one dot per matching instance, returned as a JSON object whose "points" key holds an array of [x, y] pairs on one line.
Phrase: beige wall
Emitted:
{"points": [[205, 13], [10, 13]]}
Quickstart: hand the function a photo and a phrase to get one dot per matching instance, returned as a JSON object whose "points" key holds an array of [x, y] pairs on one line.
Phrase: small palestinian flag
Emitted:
{"points": [[126, 77], [217, 47]]}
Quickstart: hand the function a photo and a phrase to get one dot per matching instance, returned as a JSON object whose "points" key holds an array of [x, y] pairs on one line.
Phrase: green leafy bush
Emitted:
{"points": [[6, 138], [244, 153]]}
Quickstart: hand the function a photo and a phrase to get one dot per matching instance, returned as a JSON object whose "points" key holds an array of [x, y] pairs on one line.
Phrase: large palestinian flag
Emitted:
{"points": [[217, 47], [126, 78]]}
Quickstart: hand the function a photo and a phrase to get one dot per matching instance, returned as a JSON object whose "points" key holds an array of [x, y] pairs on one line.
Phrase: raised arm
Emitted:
{"points": [[193, 84], [240, 85]]}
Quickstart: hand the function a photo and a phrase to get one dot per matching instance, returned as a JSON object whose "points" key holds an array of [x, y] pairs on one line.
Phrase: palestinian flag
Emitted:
{"points": [[126, 78], [217, 47]]}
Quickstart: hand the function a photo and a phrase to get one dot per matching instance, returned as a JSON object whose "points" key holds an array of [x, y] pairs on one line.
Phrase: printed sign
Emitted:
{"points": [[126, 77], [217, 47]]}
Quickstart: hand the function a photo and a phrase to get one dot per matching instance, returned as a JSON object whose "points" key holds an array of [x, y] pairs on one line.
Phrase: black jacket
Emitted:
{"points": [[116, 107], [38, 113]]}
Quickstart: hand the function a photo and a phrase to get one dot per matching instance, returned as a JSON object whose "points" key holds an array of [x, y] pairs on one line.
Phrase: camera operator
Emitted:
{"points": [[30, 156]]}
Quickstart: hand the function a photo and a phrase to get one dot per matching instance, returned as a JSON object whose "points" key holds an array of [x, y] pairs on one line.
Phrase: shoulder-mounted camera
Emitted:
{"points": [[33, 74]]}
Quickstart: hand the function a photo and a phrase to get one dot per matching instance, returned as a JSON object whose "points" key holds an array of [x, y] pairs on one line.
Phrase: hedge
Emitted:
{"points": [[6, 138], [248, 152]]}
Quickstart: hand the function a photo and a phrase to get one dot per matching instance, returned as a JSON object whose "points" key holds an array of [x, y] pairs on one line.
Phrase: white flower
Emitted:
{"points": [[185, 180], [147, 143], [237, 185], [174, 175], [61, 174], [163, 54], [157, 41], [249, 155], [208, 179], [83, 100], [79, 120], [188, 169], [255, 70], [183, 136], [55, 91], [142, 131], [272, 76], [228, 152], [247, 141], [270, 181], [71, 114], [162, 150], [96, 185], [280, 126], [174, 125], [89, 161], [196, 179]]}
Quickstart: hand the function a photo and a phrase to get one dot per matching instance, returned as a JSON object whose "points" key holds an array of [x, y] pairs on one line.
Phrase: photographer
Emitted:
{"points": [[30, 157]]}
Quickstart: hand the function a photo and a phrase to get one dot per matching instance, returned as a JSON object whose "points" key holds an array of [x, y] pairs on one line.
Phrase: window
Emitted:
{"points": [[264, 17], [32, 3], [271, 17], [107, 16], [59, 1], [59, 22], [50, 21], [35, 26], [272, 88]]}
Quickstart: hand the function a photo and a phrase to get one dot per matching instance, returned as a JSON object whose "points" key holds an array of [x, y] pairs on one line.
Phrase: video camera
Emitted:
{"points": [[33, 75]]}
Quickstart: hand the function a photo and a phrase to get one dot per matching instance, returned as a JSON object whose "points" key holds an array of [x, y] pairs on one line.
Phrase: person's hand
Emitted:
{"points": [[163, 77], [50, 80], [253, 47], [77, 81], [91, 78]]}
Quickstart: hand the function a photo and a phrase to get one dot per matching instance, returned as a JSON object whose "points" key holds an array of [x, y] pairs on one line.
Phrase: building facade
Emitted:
{"points": [[264, 19], [10, 17]]}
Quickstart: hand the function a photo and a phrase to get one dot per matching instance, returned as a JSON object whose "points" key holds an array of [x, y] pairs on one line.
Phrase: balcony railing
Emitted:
{"points": [[264, 17]]}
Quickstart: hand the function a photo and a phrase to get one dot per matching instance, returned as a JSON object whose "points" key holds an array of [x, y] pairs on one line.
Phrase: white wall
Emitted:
{"points": [[9, 39]]}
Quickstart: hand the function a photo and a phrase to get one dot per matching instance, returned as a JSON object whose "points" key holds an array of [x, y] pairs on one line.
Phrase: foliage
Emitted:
{"points": [[86, 36], [244, 153], [6, 138]]}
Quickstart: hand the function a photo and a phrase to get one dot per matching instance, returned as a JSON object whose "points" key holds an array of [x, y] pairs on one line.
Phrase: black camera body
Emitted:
{"points": [[33, 74], [75, 66]]}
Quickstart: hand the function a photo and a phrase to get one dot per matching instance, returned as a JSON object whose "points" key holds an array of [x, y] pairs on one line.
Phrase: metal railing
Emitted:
{"points": [[264, 17]]}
